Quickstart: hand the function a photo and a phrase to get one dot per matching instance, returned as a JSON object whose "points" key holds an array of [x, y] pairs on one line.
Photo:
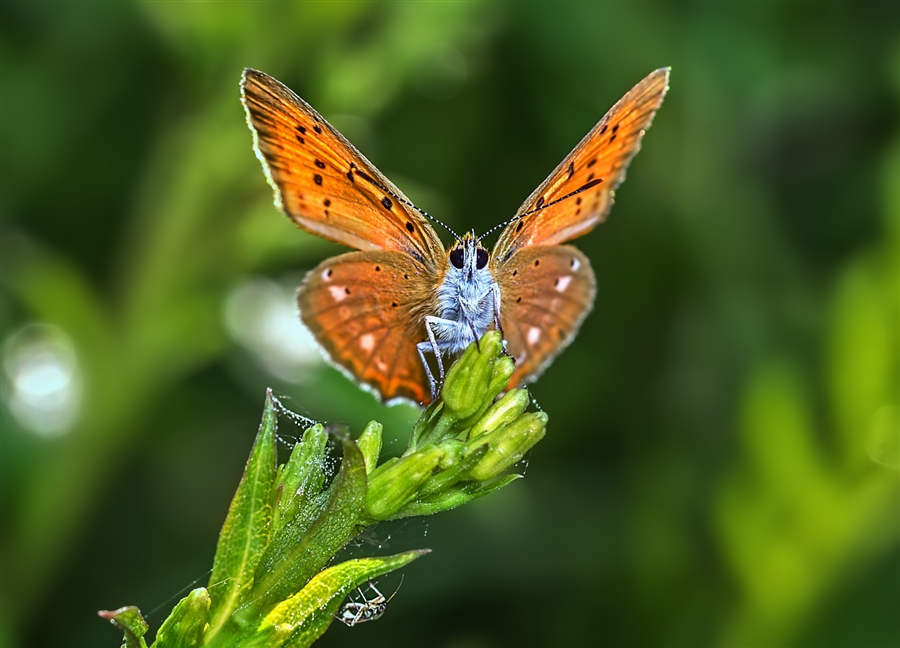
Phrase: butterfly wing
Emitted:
{"points": [[322, 182], [593, 169], [545, 294], [367, 310]]}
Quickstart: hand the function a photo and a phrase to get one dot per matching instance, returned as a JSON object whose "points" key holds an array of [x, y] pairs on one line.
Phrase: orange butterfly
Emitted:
{"points": [[379, 311]]}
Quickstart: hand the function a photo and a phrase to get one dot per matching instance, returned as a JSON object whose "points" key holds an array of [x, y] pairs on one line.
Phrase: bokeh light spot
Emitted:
{"points": [[261, 315], [41, 379]]}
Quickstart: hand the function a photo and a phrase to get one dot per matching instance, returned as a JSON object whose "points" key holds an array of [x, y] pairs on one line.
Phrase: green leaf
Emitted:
{"points": [[186, 625], [303, 476], [312, 609], [130, 622], [245, 533], [301, 548]]}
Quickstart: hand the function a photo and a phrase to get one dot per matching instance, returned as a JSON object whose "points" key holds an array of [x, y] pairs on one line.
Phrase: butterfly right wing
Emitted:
{"points": [[367, 311], [323, 183], [579, 193]]}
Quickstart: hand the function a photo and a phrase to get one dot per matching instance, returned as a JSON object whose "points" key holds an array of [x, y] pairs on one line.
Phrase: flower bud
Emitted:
{"points": [[507, 445], [452, 497], [369, 444], [455, 465], [503, 371], [467, 385], [188, 620], [393, 485], [504, 411]]}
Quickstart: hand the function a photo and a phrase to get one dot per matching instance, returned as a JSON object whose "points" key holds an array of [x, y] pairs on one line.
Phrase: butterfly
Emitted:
{"points": [[380, 311]]}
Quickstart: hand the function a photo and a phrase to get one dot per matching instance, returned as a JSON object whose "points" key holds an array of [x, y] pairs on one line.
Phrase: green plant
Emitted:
{"points": [[269, 584]]}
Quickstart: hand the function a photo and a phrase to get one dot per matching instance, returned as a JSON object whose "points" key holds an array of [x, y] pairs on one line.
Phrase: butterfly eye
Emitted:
{"points": [[456, 258], [481, 258]]}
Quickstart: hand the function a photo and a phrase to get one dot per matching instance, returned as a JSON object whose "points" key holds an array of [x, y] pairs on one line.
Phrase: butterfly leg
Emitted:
{"points": [[475, 335], [432, 323], [495, 290], [422, 347], [431, 320]]}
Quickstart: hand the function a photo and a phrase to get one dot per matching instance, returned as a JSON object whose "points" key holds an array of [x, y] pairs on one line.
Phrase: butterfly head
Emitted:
{"points": [[468, 257]]}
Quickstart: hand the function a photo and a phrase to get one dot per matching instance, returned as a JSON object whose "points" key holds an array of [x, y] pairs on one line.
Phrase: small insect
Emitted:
{"points": [[367, 609], [377, 313]]}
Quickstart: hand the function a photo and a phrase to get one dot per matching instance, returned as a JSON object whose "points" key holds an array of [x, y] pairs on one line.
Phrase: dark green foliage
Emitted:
{"points": [[719, 470]]}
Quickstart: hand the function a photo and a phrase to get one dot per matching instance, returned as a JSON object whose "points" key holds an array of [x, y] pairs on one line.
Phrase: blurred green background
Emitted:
{"points": [[721, 467]]}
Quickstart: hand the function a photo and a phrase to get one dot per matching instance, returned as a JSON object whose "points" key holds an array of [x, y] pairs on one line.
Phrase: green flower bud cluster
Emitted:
{"points": [[269, 584], [462, 444]]}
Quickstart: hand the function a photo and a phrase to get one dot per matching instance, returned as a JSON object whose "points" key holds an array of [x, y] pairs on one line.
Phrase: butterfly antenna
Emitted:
{"points": [[355, 170], [542, 206]]}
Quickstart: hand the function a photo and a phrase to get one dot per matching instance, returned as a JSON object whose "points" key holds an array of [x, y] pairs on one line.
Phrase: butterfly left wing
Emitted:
{"points": [[545, 294], [594, 169], [323, 183], [367, 311]]}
